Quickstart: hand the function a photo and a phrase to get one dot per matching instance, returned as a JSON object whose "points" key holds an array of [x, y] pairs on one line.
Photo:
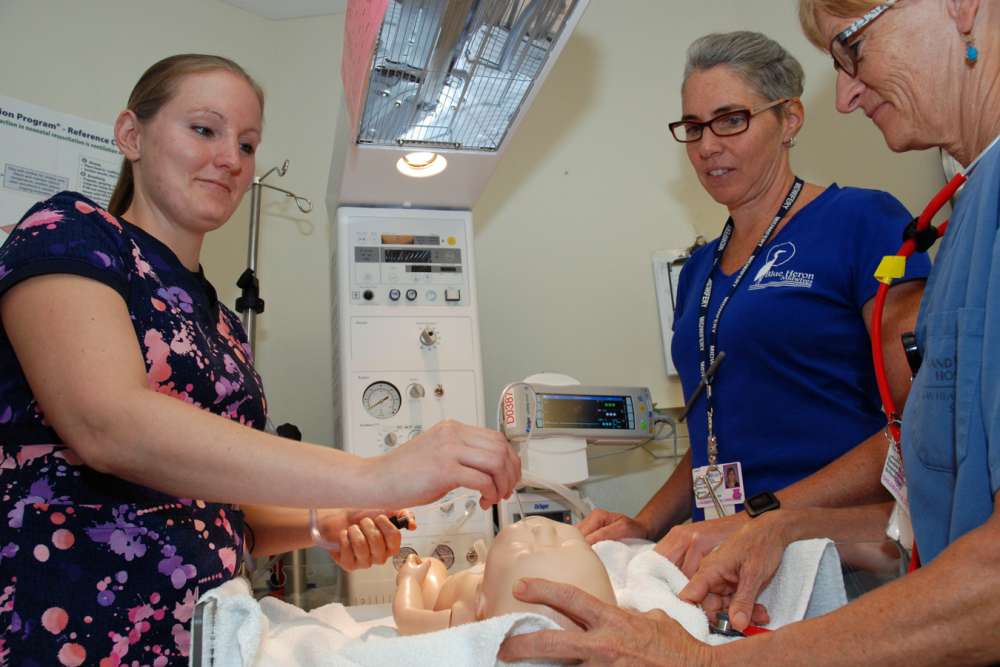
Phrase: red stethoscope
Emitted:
{"points": [[919, 236]]}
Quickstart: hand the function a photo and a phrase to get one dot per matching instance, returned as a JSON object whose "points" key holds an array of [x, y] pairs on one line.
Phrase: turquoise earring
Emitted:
{"points": [[971, 52]]}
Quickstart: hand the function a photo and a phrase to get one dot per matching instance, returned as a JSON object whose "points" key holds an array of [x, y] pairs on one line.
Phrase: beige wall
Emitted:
{"points": [[83, 58], [590, 186]]}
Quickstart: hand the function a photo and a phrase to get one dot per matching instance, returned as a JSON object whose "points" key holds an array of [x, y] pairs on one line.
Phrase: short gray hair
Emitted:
{"points": [[770, 70]]}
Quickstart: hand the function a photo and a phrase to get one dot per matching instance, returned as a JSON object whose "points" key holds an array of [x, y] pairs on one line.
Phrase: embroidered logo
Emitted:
{"points": [[769, 276]]}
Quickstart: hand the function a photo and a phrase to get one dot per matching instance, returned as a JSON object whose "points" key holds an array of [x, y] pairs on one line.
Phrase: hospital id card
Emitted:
{"points": [[900, 526], [718, 489], [894, 476]]}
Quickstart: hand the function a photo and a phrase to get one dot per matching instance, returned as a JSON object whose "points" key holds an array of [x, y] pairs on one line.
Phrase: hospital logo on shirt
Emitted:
{"points": [[770, 275]]}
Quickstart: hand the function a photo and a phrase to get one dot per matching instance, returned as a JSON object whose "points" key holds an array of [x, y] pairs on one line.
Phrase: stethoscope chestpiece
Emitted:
{"points": [[721, 626]]}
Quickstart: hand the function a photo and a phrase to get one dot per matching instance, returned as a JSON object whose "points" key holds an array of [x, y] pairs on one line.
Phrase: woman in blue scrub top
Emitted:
{"points": [[785, 293]]}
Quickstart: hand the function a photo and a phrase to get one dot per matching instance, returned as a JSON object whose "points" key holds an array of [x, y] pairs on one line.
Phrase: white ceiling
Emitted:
{"points": [[290, 9]]}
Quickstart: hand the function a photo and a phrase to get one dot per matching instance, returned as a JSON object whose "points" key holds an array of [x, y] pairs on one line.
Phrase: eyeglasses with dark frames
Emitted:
{"points": [[844, 47], [724, 125]]}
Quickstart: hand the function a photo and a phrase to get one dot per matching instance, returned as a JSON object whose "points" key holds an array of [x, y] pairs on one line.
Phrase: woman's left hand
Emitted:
{"points": [[611, 635], [366, 537]]}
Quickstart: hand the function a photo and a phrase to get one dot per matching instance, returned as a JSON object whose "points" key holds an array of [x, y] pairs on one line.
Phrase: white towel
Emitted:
{"points": [[234, 628], [649, 581], [808, 583], [273, 633], [469, 645]]}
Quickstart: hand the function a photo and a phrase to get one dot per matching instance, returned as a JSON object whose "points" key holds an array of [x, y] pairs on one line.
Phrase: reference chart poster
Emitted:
{"points": [[43, 152]]}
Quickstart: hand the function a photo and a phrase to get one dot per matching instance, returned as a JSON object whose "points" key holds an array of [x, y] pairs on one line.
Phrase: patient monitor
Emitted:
{"points": [[427, 599], [552, 417], [599, 415]]}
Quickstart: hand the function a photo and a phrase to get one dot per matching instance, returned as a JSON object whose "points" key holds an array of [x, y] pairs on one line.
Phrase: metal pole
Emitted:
{"points": [[297, 558], [250, 316]]}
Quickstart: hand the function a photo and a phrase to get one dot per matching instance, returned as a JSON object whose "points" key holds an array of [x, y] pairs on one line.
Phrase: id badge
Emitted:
{"points": [[718, 489], [900, 526], [894, 477]]}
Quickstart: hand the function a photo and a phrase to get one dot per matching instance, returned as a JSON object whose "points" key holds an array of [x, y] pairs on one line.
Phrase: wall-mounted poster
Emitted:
{"points": [[43, 152]]}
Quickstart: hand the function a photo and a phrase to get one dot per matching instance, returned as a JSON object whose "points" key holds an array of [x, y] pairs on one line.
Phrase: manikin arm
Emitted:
{"points": [[418, 585]]}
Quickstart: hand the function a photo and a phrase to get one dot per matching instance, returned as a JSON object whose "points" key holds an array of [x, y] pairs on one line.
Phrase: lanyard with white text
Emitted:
{"points": [[707, 348]]}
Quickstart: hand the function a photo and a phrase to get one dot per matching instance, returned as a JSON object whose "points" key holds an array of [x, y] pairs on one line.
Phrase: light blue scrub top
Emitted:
{"points": [[951, 431]]}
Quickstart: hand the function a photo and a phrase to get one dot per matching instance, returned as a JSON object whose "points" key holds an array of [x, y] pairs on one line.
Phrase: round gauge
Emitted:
{"points": [[381, 400], [402, 555], [445, 554]]}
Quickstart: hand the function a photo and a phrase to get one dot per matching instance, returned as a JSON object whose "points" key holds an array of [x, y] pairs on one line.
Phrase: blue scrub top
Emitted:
{"points": [[951, 430], [796, 389]]}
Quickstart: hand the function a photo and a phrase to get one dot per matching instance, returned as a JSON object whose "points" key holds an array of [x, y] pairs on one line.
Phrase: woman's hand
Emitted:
{"points": [[685, 545], [611, 635], [366, 537], [604, 525], [449, 455], [732, 576]]}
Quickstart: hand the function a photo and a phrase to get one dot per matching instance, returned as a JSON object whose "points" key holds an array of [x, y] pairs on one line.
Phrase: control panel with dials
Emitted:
{"points": [[400, 265], [407, 356]]}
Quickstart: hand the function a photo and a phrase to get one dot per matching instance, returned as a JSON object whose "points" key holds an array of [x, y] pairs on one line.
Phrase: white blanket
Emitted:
{"points": [[272, 633]]}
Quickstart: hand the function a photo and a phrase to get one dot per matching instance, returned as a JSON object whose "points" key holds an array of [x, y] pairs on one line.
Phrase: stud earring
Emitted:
{"points": [[789, 142], [971, 52]]}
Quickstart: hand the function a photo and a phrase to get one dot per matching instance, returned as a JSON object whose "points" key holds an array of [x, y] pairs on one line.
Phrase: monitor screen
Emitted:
{"points": [[586, 412]]}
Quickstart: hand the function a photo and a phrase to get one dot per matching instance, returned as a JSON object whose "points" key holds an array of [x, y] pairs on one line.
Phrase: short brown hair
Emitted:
{"points": [[809, 11], [155, 88]]}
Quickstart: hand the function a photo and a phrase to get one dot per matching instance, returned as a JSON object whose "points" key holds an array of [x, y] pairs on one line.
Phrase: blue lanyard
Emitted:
{"points": [[707, 348]]}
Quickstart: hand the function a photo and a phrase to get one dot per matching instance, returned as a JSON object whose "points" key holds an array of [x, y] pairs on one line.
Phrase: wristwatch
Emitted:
{"points": [[765, 501]]}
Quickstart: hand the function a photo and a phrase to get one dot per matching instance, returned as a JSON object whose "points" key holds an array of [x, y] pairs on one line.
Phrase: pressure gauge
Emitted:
{"points": [[381, 400], [445, 554]]}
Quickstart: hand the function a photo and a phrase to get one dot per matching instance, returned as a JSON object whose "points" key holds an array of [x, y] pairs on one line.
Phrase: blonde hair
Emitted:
{"points": [[809, 11], [155, 88]]}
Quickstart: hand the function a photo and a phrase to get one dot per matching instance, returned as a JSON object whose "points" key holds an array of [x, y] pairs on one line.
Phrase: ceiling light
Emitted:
{"points": [[421, 164]]}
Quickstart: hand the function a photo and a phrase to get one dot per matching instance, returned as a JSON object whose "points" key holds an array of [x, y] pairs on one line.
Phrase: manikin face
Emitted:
{"points": [[539, 547], [735, 169], [897, 70], [196, 155]]}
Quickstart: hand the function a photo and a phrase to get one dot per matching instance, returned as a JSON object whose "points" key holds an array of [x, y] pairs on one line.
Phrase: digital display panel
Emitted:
{"points": [[407, 256], [422, 255], [421, 268], [366, 254], [585, 412], [410, 239]]}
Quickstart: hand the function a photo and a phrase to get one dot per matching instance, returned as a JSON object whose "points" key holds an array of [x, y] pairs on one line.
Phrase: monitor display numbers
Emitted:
{"points": [[585, 412], [406, 256], [422, 255], [410, 239]]}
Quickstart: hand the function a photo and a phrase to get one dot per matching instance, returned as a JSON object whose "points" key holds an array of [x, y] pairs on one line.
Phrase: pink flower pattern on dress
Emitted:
{"points": [[112, 567]]}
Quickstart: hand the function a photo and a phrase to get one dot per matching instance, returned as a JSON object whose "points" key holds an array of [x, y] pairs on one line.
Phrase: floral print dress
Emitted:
{"points": [[96, 570]]}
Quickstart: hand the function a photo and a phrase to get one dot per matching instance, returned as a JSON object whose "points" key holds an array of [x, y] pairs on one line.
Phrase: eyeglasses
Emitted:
{"points": [[723, 125], [843, 50]]}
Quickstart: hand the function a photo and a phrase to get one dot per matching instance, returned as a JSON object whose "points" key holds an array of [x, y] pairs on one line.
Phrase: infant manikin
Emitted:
{"points": [[427, 599]]}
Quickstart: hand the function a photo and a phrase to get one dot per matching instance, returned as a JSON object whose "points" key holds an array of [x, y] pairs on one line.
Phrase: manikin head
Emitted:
{"points": [[539, 547]]}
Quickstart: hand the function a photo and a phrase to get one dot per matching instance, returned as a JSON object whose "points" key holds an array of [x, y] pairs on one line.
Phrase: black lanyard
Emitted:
{"points": [[706, 348]]}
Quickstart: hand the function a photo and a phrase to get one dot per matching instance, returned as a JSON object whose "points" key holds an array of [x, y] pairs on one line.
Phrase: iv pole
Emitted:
{"points": [[250, 305]]}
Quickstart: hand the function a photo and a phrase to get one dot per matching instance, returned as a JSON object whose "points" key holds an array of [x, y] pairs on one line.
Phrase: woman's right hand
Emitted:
{"points": [[604, 525], [686, 545], [450, 454]]}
